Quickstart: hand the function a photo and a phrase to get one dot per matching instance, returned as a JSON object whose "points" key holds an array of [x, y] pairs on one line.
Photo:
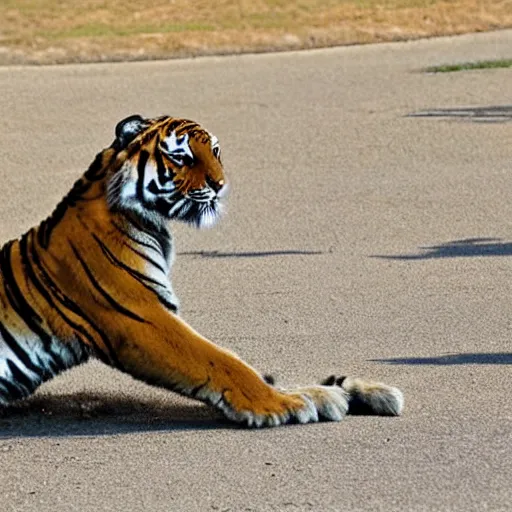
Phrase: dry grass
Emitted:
{"points": [[52, 31]]}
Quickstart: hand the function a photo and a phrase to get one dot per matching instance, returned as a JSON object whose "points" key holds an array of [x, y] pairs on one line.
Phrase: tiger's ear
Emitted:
{"points": [[128, 129]]}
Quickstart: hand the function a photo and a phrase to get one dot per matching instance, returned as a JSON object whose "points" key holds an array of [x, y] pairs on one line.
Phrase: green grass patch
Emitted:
{"points": [[467, 66]]}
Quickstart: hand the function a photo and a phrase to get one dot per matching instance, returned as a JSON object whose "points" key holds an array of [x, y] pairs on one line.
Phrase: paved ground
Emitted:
{"points": [[369, 233]]}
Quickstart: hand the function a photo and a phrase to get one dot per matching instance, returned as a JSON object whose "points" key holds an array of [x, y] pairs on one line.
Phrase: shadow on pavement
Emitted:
{"points": [[490, 114], [453, 359], [255, 254], [469, 247], [87, 414]]}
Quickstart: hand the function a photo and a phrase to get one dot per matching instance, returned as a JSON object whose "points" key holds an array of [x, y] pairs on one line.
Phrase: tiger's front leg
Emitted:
{"points": [[165, 351]]}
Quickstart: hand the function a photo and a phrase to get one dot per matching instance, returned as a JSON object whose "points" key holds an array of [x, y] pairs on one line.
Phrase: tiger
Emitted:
{"points": [[92, 280]]}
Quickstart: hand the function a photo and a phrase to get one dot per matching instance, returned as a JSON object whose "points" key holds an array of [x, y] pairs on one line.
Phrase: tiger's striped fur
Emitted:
{"points": [[93, 280]]}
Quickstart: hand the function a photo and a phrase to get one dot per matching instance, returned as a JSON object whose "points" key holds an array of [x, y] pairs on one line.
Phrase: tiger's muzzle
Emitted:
{"points": [[213, 191]]}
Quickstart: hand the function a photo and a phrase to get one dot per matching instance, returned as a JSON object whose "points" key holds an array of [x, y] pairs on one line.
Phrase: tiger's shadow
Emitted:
{"points": [[89, 414]]}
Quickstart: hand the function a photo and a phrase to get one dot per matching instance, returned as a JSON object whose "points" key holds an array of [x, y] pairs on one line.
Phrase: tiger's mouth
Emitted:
{"points": [[201, 209]]}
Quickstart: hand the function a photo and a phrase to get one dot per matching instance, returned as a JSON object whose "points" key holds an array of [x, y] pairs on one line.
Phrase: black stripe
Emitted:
{"points": [[20, 378], [196, 132], [135, 240], [153, 188], [17, 300], [165, 174], [80, 187], [48, 370], [51, 369], [17, 349], [163, 206], [13, 391], [94, 172], [47, 226], [175, 124], [194, 391], [118, 307], [146, 258], [141, 168], [109, 358], [165, 242], [118, 263], [169, 305], [188, 126], [63, 363], [27, 265], [78, 357], [161, 237], [135, 274]]}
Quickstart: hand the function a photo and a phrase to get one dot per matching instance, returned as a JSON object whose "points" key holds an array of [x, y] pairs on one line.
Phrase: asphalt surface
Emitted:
{"points": [[369, 233]]}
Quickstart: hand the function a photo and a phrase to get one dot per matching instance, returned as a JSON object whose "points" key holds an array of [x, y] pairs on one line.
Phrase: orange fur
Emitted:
{"points": [[98, 287]]}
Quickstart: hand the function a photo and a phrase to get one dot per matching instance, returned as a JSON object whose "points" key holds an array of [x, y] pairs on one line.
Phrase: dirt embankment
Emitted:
{"points": [[58, 31]]}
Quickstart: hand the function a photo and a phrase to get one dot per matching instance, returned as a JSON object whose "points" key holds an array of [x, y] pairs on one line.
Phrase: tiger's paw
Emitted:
{"points": [[328, 403], [300, 405], [366, 397]]}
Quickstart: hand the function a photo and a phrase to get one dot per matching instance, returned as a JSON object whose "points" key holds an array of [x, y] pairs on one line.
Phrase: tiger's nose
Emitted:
{"points": [[217, 186]]}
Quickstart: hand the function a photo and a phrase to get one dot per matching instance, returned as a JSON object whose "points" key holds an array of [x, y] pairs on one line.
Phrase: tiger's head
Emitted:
{"points": [[167, 168]]}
